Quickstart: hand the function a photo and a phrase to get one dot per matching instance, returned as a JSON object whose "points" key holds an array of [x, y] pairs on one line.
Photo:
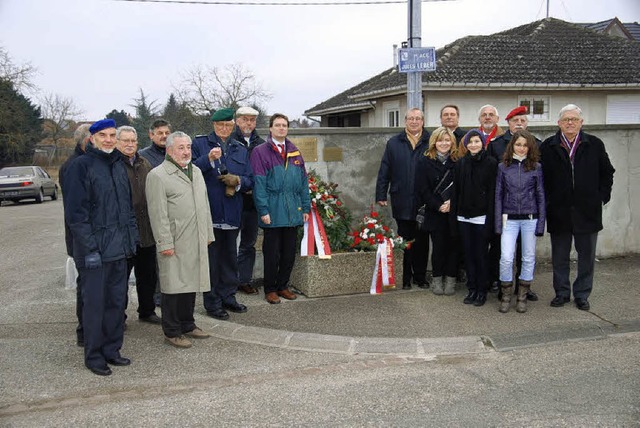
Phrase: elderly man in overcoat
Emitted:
{"points": [[396, 178], [578, 178], [182, 228]]}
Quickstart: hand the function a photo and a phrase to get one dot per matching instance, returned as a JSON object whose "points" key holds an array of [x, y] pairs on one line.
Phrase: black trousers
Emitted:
{"points": [[560, 249], [103, 295], [279, 252], [247, 249], [144, 264], [177, 313], [444, 257], [223, 269], [414, 259], [79, 329], [476, 247], [493, 273]]}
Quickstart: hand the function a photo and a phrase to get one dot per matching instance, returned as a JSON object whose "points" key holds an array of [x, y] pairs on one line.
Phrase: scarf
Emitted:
{"points": [[442, 158], [188, 170], [519, 158], [414, 140], [569, 146]]}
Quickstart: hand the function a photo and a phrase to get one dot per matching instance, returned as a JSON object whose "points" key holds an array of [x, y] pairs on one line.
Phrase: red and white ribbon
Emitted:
{"points": [[383, 273], [315, 236]]}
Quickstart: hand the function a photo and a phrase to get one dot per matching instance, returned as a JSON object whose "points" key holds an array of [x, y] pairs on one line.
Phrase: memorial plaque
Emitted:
{"points": [[332, 154], [308, 147]]}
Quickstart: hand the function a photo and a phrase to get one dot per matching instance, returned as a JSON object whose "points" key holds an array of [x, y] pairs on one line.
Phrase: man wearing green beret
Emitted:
{"points": [[224, 163]]}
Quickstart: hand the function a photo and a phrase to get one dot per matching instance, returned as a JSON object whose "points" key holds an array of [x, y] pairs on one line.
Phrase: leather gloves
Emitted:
{"points": [[92, 261], [231, 182], [229, 179]]}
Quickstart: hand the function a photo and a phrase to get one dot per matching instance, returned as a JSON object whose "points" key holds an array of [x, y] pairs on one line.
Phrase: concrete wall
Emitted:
{"points": [[362, 150]]}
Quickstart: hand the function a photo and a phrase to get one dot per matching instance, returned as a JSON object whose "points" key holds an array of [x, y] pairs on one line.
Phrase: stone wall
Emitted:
{"points": [[362, 148]]}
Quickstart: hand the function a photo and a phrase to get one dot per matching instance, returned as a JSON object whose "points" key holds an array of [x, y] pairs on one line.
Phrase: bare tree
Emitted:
{"points": [[19, 75], [59, 114], [205, 89]]}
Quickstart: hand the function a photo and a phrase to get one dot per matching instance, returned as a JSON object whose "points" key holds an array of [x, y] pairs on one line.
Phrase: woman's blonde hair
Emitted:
{"points": [[438, 135]]}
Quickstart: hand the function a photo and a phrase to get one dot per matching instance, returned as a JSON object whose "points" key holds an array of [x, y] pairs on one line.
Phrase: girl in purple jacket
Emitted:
{"points": [[519, 209]]}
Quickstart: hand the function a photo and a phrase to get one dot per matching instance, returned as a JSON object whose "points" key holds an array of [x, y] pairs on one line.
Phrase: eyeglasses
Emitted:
{"points": [[570, 120], [129, 142], [224, 125]]}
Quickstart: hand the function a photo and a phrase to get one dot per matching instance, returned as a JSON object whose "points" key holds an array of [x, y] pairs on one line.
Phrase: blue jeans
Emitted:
{"points": [[510, 231]]}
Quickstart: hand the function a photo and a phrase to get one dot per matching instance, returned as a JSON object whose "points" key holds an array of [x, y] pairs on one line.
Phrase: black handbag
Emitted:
{"points": [[444, 191]]}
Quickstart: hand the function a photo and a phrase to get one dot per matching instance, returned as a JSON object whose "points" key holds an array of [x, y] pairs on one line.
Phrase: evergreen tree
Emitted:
{"points": [[121, 117], [20, 126], [146, 113]]}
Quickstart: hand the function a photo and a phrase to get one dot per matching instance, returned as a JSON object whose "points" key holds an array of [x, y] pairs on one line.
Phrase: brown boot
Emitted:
{"points": [[524, 288], [507, 293]]}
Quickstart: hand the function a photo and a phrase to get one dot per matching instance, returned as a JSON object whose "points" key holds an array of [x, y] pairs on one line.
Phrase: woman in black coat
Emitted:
{"points": [[472, 205], [434, 184]]}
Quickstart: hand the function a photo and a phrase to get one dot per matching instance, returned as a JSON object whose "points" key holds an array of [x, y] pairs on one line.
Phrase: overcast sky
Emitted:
{"points": [[99, 52]]}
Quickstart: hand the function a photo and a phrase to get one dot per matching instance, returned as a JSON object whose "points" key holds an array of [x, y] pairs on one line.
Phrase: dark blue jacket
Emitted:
{"points": [[254, 141], [154, 154], [519, 192], [68, 240], [236, 159], [397, 174], [97, 207]]}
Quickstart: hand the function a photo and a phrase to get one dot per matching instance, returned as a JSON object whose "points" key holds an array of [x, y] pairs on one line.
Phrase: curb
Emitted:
{"points": [[420, 347]]}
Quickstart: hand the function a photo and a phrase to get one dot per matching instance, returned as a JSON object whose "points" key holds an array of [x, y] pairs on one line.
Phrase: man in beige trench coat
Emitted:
{"points": [[182, 228]]}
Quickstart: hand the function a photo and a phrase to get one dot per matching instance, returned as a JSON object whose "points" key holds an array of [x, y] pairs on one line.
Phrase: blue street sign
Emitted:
{"points": [[412, 60]]}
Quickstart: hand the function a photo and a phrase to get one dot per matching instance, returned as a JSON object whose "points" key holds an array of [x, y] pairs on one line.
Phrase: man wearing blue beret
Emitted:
{"points": [[98, 210], [224, 163]]}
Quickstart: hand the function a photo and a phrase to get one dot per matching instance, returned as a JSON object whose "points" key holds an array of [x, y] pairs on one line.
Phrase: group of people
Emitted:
{"points": [[177, 225], [482, 197], [481, 194]]}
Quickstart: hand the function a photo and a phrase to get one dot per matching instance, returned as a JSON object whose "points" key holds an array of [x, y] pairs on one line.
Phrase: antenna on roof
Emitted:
{"points": [[548, 8]]}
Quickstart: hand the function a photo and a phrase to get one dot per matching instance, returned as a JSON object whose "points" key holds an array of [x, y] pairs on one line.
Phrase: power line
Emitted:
{"points": [[255, 3]]}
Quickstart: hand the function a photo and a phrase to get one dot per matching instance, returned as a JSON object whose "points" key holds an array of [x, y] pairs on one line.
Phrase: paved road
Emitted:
{"points": [[572, 380]]}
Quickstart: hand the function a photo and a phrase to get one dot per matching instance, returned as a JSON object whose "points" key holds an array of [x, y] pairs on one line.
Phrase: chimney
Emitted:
{"points": [[395, 55]]}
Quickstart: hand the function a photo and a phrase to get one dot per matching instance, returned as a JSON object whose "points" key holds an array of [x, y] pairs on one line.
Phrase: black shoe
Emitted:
{"points": [[559, 301], [422, 284], [151, 319], [494, 287], [531, 296], [220, 314], [582, 304], [236, 307], [119, 361], [101, 371], [481, 299], [406, 286], [470, 298]]}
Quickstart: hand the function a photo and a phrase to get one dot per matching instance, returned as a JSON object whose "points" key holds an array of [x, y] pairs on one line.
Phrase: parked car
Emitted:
{"points": [[26, 182]]}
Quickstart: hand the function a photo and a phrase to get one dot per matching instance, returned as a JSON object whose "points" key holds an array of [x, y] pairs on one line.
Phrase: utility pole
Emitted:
{"points": [[414, 79]]}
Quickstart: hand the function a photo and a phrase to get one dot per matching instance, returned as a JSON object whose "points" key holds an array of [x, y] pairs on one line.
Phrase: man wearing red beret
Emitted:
{"points": [[517, 121]]}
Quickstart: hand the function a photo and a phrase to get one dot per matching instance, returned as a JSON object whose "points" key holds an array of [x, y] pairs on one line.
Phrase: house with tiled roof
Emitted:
{"points": [[613, 27], [545, 65]]}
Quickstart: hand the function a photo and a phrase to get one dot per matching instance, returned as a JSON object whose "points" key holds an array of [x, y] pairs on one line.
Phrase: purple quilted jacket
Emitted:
{"points": [[519, 192]]}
